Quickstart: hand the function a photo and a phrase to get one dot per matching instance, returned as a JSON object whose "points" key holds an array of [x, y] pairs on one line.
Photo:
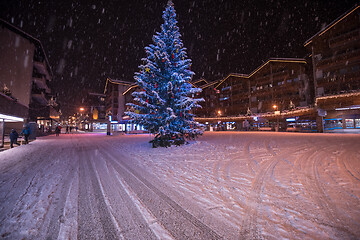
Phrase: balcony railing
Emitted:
{"points": [[41, 84], [346, 37], [40, 98], [338, 59]]}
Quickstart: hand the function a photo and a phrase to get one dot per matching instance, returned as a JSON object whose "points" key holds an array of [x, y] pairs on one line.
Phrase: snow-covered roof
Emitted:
{"points": [[332, 24], [209, 84], [122, 82], [196, 82], [232, 75], [119, 82]]}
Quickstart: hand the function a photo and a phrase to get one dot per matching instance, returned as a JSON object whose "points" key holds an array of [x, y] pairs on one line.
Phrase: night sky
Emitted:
{"points": [[88, 41]]}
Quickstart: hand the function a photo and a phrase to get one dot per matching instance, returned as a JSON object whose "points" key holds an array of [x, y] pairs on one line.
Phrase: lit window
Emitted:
{"points": [[349, 123]]}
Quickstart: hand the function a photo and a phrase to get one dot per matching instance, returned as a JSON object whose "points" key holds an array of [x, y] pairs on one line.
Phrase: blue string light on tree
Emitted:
{"points": [[165, 106]]}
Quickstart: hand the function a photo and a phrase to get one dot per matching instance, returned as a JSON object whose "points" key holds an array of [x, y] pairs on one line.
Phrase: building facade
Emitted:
{"points": [[209, 95], [25, 74], [335, 55], [267, 98], [319, 93], [118, 94]]}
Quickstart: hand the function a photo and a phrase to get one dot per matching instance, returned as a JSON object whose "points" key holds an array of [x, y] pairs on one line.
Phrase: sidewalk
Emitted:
{"points": [[7, 143], [353, 130]]}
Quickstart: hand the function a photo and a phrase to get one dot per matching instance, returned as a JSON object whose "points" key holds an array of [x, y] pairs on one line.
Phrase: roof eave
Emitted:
{"points": [[332, 24]]}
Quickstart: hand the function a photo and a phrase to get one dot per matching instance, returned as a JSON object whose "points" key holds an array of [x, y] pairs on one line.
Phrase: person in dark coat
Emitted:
{"points": [[26, 131], [57, 130], [13, 138]]}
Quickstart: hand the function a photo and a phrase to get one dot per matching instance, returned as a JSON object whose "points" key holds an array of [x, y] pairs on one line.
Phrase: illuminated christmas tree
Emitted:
{"points": [[165, 103]]}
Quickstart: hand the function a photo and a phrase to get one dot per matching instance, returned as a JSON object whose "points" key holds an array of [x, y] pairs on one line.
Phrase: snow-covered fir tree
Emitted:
{"points": [[165, 103]]}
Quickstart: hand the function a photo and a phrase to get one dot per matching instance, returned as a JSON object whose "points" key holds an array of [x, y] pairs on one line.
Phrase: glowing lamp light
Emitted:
{"points": [[82, 109], [274, 106], [219, 112]]}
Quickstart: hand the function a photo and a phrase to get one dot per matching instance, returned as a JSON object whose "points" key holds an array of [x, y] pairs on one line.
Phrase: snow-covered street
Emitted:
{"points": [[231, 185]]}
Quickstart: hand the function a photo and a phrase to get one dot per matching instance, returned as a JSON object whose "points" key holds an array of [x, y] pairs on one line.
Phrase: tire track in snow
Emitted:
{"points": [[68, 220], [91, 203], [156, 228], [111, 212], [346, 166], [176, 220], [217, 164], [249, 228], [229, 184], [36, 196], [229, 164], [125, 215], [63, 222], [308, 164], [252, 164]]}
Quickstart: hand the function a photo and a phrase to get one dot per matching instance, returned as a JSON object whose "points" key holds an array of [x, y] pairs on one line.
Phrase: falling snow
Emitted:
{"points": [[222, 36]]}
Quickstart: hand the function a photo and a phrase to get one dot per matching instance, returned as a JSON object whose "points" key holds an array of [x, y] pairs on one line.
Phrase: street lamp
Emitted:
{"points": [[82, 109], [277, 117], [219, 112]]}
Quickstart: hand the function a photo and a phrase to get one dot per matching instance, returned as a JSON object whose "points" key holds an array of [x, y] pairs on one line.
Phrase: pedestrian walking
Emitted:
{"points": [[26, 132], [57, 130], [67, 129], [70, 128], [13, 138]]}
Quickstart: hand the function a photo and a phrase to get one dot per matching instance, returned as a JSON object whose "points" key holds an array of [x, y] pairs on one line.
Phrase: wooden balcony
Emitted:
{"points": [[41, 84], [40, 98], [338, 60], [345, 38], [42, 69]]}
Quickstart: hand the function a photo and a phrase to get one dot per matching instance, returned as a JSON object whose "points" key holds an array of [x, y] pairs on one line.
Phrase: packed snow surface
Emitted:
{"points": [[231, 185]]}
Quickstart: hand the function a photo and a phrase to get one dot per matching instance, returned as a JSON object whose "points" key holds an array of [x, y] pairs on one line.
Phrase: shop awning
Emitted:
{"points": [[9, 118]]}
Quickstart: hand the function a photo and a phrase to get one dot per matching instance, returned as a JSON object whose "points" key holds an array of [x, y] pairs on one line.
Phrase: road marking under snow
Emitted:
{"points": [[68, 223], [156, 228], [118, 228]]}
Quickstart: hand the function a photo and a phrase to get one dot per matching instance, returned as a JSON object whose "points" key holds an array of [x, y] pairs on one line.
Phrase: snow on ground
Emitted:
{"points": [[271, 185], [239, 184]]}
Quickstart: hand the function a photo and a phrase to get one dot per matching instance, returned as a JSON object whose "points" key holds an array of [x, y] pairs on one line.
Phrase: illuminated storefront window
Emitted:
{"points": [[349, 123], [333, 123], [357, 123]]}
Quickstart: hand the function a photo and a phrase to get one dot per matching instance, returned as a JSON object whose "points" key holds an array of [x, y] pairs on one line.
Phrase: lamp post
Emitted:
{"points": [[109, 120], [219, 126], [81, 118], [275, 107]]}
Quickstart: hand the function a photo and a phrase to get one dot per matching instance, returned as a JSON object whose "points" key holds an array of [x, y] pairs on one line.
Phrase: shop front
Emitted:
{"points": [[342, 120], [125, 126], [341, 112]]}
